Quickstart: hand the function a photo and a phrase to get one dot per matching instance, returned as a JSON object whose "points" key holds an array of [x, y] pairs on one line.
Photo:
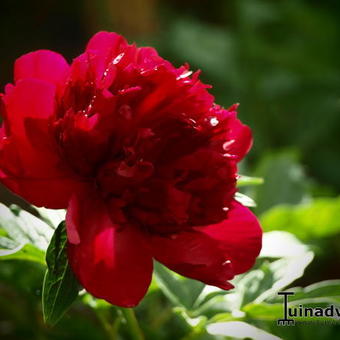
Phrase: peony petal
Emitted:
{"points": [[111, 262], [30, 98], [52, 193], [44, 65], [30, 163], [148, 58], [239, 138], [213, 254], [193, 254], [106, 44], [240, 235]]}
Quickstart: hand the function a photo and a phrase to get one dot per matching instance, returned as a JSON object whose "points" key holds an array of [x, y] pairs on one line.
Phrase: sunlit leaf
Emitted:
{"points": [[320, 292], [284, 272], [52, 216], [264, 311], [245, 200], [243, 181], [277, 244], [24, 228], [10, 250], [24, 236], [239, 330], [291, 259]]}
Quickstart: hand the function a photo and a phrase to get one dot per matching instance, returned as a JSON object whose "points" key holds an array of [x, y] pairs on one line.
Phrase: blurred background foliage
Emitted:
{"points": [[280, 60]]}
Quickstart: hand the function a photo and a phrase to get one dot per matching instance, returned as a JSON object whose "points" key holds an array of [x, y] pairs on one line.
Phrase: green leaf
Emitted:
{"points": [[253, 284], [272, 276], [283, 259], [181, 291], [318, 218], [10, 250], [243, 181], [222, 317], [245, 200], [94, 303], [239, 330], [60, 287], [23, 236], [52, 216], [264, 311], [281, 273], [323, 292], [23, 227], [327, 289], [6, 244], [281, 244], [210, 296], [284, 182]]}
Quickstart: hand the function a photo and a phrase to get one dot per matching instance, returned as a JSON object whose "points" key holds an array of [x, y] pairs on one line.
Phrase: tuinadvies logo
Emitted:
{"points": [[332, 312]]}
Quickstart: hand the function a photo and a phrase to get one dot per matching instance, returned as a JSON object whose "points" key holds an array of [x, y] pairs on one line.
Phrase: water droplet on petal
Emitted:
{"points": [[184, 75], [214, 121], [228, 143], [226, 262], [118, 58]]}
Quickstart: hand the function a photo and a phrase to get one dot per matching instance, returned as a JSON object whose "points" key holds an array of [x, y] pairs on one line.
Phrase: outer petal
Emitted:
{"points": [[43, 64], [107, 52], [241, 138], [194, 255], [213, 254], [30, 164], [111, 262], [240, 236], [106, 44]]}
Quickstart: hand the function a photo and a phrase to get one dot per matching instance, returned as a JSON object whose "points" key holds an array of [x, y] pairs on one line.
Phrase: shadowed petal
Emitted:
{"points": [[111, 262], [30, 163]]}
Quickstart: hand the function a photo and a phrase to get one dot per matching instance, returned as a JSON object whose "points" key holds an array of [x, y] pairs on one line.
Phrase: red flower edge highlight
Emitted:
{"points": [[142, 159]]}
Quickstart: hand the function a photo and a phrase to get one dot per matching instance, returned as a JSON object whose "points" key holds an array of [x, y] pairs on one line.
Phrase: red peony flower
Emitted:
{"points": [[142, 159]]}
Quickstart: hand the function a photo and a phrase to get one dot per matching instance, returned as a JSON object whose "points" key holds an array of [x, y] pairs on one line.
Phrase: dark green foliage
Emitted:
{"points": [[60, 287]]}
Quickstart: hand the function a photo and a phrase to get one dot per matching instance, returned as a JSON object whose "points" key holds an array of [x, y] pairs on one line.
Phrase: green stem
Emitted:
{"points": [[131, 320], [111, 330]]}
